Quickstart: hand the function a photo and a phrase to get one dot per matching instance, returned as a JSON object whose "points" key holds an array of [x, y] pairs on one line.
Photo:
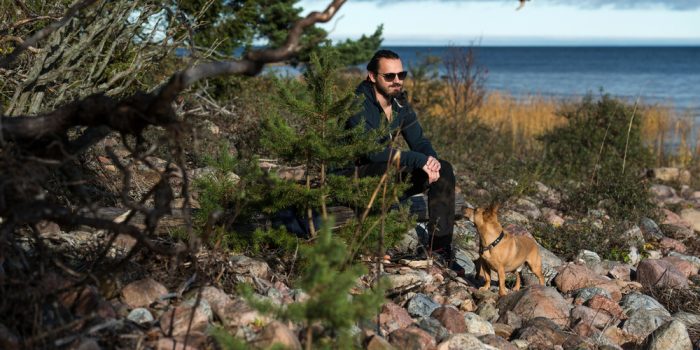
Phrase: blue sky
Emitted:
{"points": [[541, 22]]}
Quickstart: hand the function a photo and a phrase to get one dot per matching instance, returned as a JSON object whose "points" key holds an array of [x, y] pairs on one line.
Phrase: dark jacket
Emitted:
{"points": [[404, 118]]}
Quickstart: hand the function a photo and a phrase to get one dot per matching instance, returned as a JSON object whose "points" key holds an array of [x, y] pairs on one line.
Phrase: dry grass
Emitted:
{"points": [[525, 118], [678, 299]]}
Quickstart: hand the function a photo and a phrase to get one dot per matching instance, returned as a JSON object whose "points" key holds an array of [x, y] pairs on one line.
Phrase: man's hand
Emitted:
{"points": [[432, 175], [433, 164]]}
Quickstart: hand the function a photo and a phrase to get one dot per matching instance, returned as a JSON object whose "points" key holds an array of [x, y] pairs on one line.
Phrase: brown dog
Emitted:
{"points": [[501, 251]]}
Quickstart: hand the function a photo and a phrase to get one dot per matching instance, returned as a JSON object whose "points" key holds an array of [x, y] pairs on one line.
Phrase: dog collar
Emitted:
{"points": [[493, 244]]}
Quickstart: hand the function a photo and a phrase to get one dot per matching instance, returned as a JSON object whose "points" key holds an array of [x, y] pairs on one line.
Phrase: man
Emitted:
{"points": [[385, 102]]}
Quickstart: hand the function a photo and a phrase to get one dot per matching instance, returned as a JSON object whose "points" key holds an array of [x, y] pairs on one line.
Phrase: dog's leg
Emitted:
{"points": [[536, 267], [517, 280], [501, 281], [485, 271]]}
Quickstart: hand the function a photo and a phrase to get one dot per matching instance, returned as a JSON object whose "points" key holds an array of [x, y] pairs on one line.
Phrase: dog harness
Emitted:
{"points": [[493, 244]]}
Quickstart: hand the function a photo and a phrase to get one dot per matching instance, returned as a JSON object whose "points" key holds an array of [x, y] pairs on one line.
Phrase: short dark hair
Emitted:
{"points": [[373, 65]]}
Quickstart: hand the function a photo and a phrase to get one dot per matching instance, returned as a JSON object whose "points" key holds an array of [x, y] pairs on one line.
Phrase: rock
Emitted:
{"points": [[497, 342], [664, 194], [142, 292], [599, 302], [541, 333], [536, 301], [620, 272], [689, 319], [678, 232], [552, 217], [547, 195], [692, 216], [521, 344], [512, 319], [237, 313], [528, 208], [617, 336], [477, 325], [671, 218], [140, 316], [669, 244], [87, 344], [394, 317], [412, 338], [407, 279], [650, 230], [550, 263], [176, 321], [503, 330], [589, 316], [634, 236], [513, 217], [487, 311], [633, 255], [585, 294], [434, 328], [410, 242], [85, 300], [576, 342], [48, 229], [465, 262], [277, 334], [588, 258], [378, 343], [687, 268], [421, 306], [172, 344], [668, 174], [573, 277], [243, 265], [218, 300], [671, 336], [656, 272], [689, 258], [464, 341], [451, 318], [645, 315]]}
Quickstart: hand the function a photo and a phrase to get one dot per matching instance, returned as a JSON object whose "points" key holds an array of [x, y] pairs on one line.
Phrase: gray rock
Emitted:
{"points": [[650, 229], [513, 217], [421, 306], [689, 319], [547, 195], [673, 335], [634, 302], [465, 260], [244, 265], [585, 294], [528, 208], [487, 311], [642, 322], [400, 282], [550, 263], [140, 316], [477, 325], [410, 242], [434, 328], [588, 257]]}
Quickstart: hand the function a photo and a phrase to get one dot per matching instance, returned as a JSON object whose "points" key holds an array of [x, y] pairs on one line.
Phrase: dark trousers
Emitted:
{"points": [[441, 198]]}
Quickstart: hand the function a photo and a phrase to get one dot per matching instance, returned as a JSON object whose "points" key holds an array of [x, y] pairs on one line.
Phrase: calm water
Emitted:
{"points": [[669, 75]]}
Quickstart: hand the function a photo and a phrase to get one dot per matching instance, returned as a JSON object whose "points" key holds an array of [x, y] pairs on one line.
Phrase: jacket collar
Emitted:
{"points": [[367, 89]]}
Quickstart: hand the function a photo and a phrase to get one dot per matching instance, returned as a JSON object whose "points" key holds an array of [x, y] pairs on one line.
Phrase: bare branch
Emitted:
{"points": [[72, 11]]}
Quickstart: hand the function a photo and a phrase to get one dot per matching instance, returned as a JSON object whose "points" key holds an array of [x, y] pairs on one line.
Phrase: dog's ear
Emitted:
{"points": [[469, 213]]}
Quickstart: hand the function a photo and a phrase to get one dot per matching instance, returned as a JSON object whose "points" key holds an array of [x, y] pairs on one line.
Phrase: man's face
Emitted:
{"points": [[388, 88]]}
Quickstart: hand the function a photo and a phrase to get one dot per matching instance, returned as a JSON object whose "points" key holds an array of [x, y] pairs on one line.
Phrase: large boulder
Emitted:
{"points": [[535, 301], [394, 317], [573, 277], [421, 305], [692, 216], [451, 318], [277, 334], [645, 315], [660, 273], [541, 333], [142, 293], [671, 336], [412, 338]]}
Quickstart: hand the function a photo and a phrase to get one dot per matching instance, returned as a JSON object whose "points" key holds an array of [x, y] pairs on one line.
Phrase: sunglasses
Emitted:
{"points": [[391, 76]]}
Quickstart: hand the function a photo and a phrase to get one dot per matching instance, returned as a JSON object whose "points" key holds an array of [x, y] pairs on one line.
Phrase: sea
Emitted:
{"points": [[662, 75]]}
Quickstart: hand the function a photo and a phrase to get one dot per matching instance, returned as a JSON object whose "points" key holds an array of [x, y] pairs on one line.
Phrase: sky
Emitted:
{"points": [[496, 22]]}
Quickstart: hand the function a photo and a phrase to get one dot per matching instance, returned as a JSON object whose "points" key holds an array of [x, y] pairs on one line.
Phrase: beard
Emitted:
{"points": [[389, 92]]}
